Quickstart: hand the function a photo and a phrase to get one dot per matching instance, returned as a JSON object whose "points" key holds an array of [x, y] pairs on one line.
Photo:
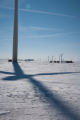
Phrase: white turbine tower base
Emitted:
{"points": [[15, 34]]}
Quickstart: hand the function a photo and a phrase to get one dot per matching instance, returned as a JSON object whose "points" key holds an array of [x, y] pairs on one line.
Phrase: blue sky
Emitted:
{"points": [[46, 28]]}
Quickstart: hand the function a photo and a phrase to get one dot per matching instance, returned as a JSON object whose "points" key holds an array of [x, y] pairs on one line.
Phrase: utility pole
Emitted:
{"points": [[52, 58], [61, 58], [15, 34]]}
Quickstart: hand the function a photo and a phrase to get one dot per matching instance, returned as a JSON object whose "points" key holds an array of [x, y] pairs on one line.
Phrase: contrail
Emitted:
{"points": [[40, 12], [46, 13]]}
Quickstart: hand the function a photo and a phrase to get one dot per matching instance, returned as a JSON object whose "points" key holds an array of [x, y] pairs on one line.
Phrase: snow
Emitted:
{"points": [[39, 91]]}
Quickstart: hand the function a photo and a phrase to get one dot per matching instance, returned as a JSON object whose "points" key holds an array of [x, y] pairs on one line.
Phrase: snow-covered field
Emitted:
{"points": [[39, 91]]}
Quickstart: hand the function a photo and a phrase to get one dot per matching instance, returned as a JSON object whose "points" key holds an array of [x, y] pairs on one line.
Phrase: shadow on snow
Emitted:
{"points": [[53, 100]]}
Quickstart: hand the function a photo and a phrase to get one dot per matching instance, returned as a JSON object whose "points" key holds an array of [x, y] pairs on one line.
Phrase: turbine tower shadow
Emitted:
{"points": [[54, 100]]}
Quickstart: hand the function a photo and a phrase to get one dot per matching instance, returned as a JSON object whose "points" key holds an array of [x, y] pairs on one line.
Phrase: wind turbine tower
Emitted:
{"points": [[15, 34]]}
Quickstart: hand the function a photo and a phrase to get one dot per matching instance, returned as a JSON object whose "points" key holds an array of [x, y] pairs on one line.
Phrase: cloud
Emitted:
{"points": [[44, 36], [40, 12], [38, 28], [34, 28], [46, 13], [49, 36]]}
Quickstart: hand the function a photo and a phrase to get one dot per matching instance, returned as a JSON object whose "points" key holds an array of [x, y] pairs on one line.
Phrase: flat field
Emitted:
{"points": [[39, 91]]}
